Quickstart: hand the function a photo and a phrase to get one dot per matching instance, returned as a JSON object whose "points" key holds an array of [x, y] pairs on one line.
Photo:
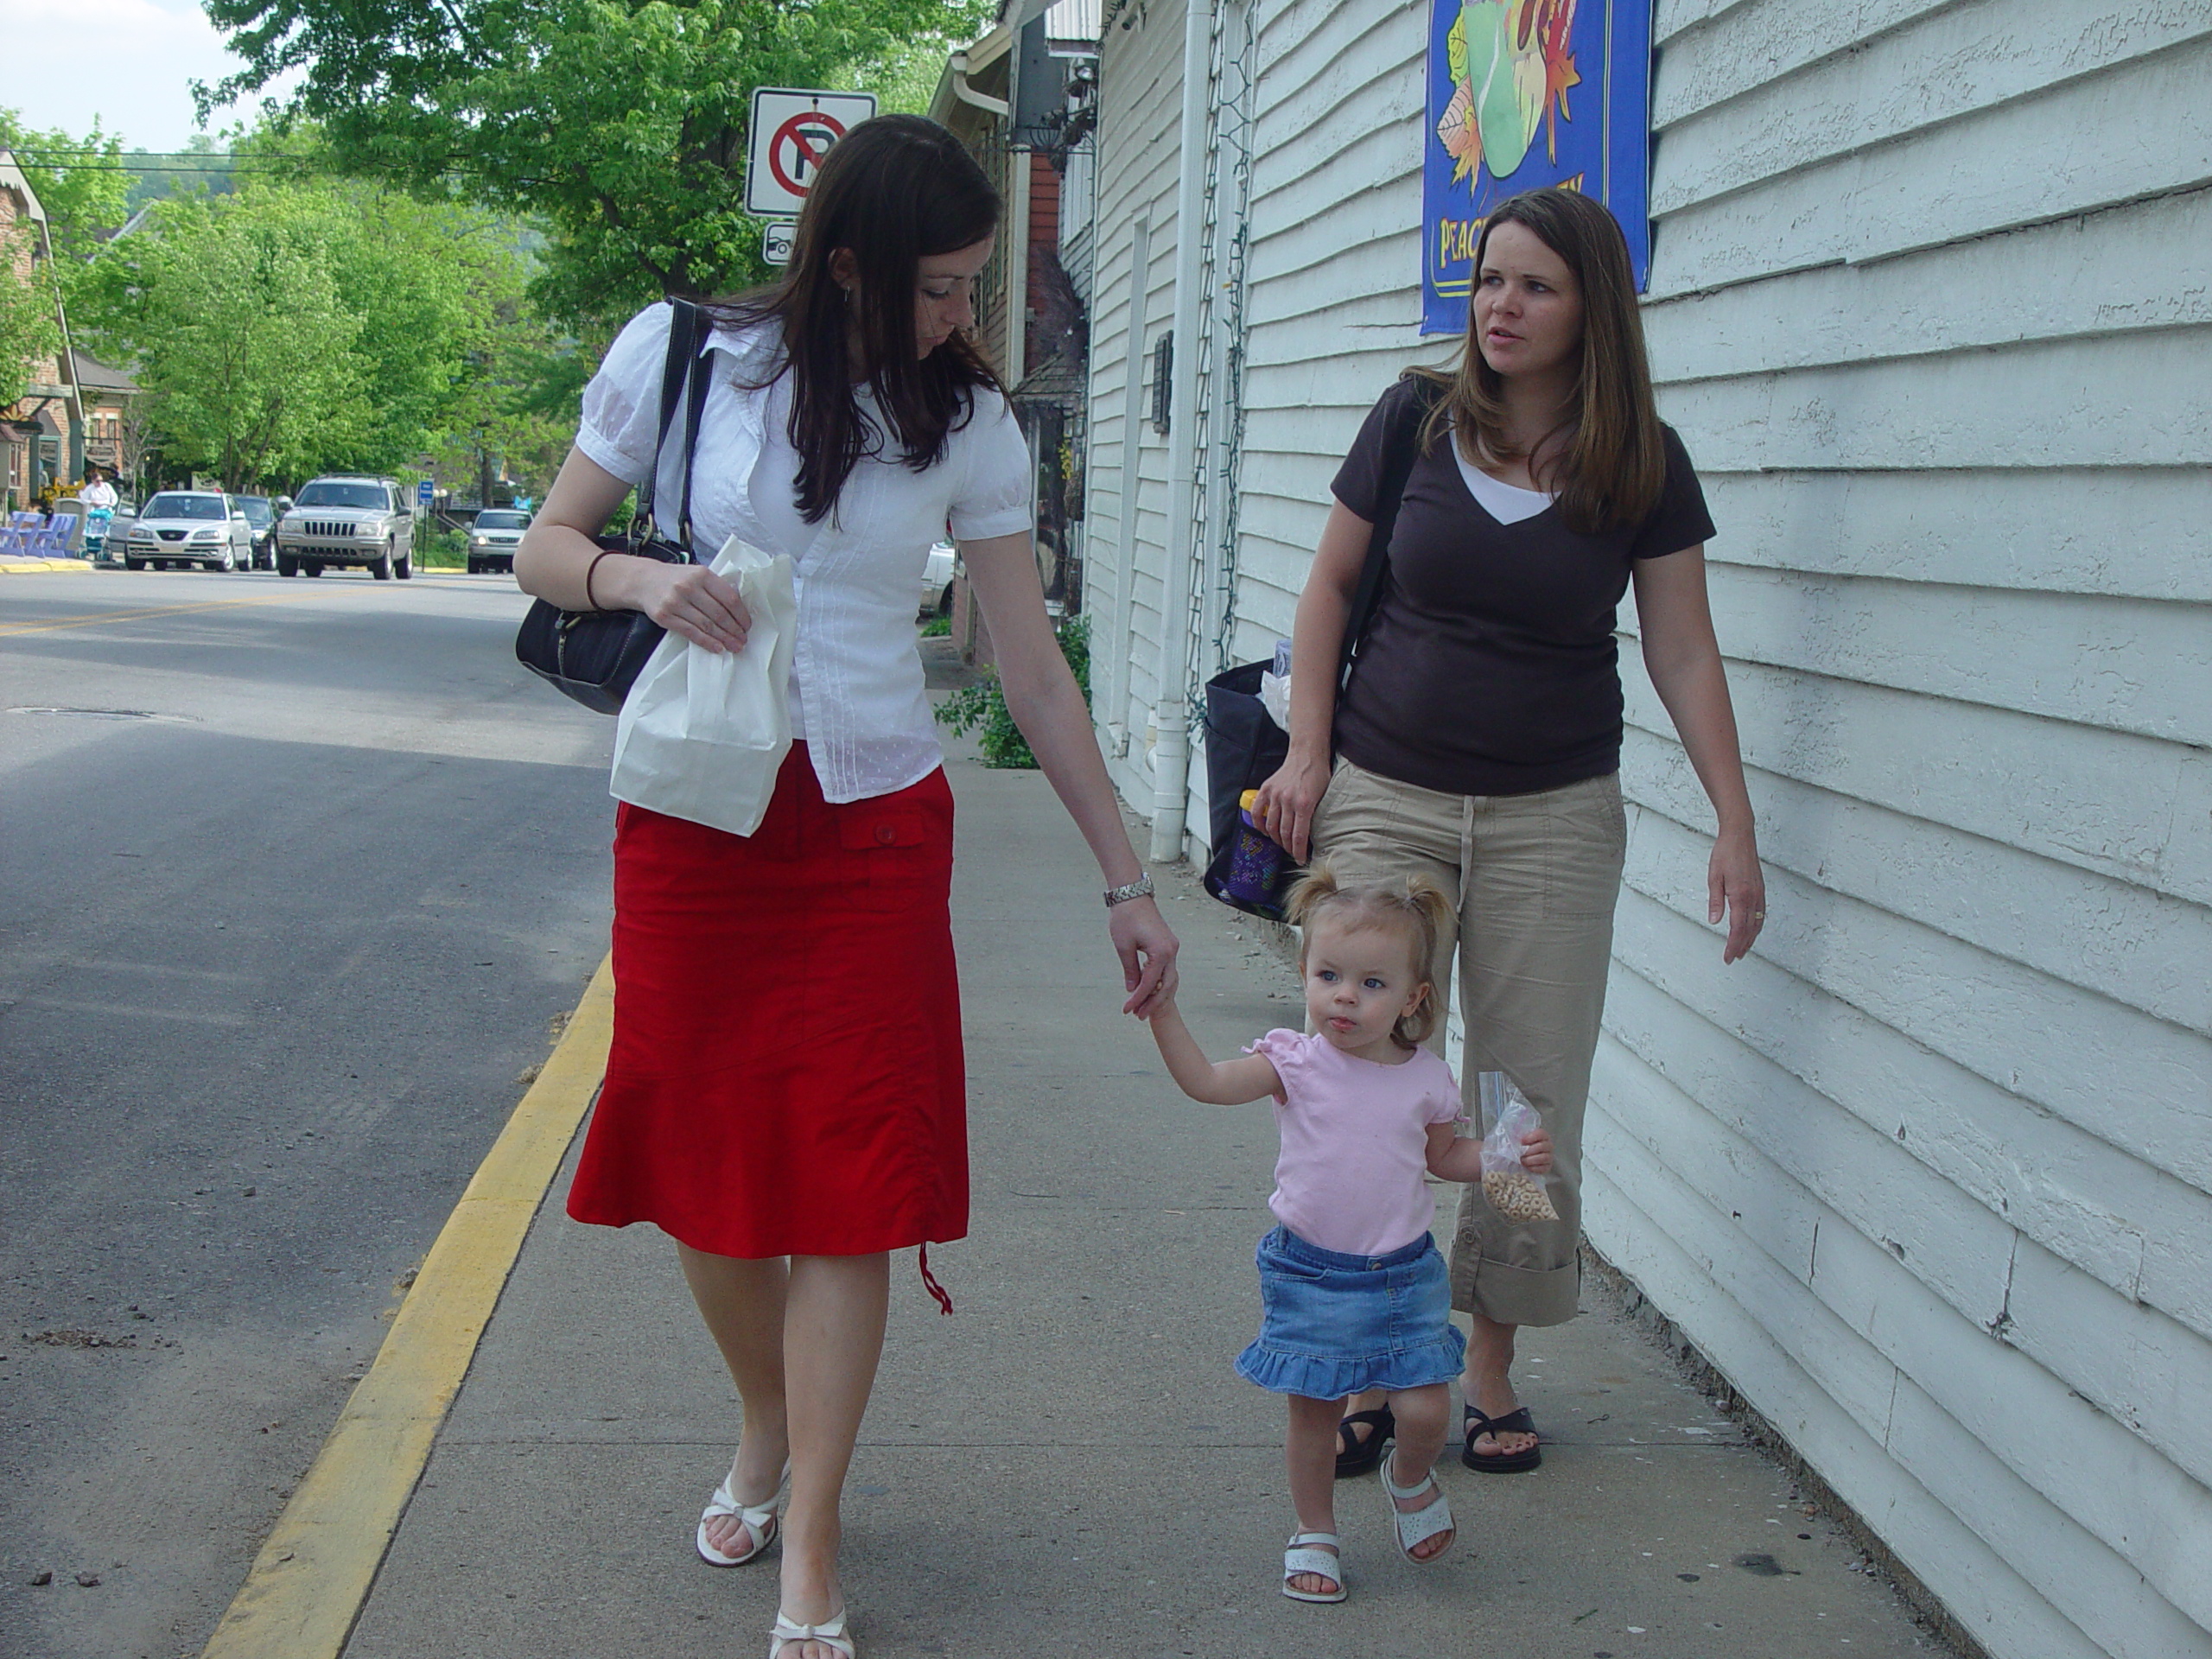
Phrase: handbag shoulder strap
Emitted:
{"points": [[682, 381], [1400, 447]]}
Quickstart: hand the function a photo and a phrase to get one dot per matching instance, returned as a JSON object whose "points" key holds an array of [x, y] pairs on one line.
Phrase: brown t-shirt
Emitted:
{"points": [[1490, 666]]}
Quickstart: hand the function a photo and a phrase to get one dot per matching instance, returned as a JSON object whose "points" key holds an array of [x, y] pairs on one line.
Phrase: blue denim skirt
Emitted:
{"points": [[1333, 1325]]}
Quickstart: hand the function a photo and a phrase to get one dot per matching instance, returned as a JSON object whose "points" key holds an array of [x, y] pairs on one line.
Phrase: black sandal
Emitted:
{"points": [[1516, 1421], [1356, 1456]]}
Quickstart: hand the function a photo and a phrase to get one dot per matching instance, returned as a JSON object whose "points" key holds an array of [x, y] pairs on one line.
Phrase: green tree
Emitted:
{"points": [[28, 332], [620, 123], [83, 184], [305, 325], [234, 317]]}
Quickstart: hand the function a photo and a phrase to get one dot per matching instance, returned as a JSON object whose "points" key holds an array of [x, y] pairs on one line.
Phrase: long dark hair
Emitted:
{"points": [[892, 190], [1609, 466]]}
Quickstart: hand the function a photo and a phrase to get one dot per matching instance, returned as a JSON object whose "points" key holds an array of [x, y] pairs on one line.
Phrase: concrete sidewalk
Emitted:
{"points": [[1068, 1465]]}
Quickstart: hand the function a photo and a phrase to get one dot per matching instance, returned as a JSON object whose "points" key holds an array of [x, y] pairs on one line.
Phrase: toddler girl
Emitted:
{"points": [[1352, 1290]]}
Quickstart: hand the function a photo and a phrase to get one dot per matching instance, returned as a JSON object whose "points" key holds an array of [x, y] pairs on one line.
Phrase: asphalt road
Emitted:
{"points": [[293, 877]]}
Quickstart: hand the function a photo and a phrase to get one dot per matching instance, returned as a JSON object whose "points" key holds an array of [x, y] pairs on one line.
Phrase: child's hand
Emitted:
{"points": [[1536, 1152]]}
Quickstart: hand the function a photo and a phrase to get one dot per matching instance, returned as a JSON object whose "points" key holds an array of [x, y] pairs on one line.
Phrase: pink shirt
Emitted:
{"points": [[1355, 1142]]}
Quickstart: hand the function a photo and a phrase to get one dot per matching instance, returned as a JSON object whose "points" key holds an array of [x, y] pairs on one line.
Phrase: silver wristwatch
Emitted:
{"points": [[1139, 888]]}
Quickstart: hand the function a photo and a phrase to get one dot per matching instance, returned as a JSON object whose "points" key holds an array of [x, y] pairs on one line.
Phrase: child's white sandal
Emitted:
{"points": [[1417, 1526], [1305, 1555]]}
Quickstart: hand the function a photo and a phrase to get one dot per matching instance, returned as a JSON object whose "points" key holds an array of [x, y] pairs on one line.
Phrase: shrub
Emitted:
{"points": [[981, 708]]}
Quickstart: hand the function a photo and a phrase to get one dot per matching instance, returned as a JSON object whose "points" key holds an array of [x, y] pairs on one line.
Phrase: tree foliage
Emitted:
{"points": [[29, 333], [300, 326], [621, 123], [83, 184]]}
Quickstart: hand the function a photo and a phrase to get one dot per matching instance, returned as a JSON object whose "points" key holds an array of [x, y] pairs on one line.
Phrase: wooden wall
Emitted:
{"points": [[1931, 304]]}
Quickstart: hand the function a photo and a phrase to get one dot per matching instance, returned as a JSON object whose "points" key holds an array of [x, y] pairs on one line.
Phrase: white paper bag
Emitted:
{"points": [[703, 733]]}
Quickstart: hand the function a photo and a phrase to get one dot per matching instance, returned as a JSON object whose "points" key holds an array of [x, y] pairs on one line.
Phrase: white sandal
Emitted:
{"points": [[760, 1520], [1305, 1555], [1416, 1525], [830, 1633]]}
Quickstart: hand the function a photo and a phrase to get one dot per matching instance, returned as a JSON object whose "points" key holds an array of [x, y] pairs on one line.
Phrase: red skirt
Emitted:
{"points": [[786, 1075]]}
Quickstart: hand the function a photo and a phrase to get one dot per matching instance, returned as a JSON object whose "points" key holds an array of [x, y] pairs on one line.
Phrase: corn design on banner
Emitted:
{"points": [[1523, 93]]}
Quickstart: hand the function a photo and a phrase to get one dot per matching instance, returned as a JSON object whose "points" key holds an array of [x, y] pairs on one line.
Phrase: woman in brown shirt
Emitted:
{"points": [[1477, 738]]}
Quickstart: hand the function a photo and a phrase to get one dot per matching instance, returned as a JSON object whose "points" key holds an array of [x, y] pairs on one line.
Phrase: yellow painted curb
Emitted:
{"points": [[43, 567], [313, 1576]]}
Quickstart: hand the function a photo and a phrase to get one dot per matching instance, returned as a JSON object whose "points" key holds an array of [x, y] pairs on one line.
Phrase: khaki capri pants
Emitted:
{"points": [[1532, 879]]}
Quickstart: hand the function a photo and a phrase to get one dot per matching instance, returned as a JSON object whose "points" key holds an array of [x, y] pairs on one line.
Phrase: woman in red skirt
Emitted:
{"points": [[785, 1096]]}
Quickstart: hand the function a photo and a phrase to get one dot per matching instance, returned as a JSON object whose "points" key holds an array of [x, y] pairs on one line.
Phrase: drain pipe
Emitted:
{"points": [[1171, 758]]}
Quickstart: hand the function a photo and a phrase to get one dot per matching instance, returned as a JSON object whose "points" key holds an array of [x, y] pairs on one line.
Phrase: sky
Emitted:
{"points": [[130, 62]]}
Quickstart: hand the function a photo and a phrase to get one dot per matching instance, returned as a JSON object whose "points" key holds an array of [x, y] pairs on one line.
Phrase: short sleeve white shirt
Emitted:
{"points": [[857, 689]]}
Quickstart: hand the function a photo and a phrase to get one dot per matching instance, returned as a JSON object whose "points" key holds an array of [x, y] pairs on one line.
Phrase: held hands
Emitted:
{"points": [[688, 600], [1284, 808], [1735, 887], [1147, 946]]}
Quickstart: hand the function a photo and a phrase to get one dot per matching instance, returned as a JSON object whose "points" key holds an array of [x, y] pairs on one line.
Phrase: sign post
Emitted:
{"points": [[793, 131]]}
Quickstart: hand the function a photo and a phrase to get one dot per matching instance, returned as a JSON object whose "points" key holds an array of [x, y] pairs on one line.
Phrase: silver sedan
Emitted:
{"points": [[202, 527]]}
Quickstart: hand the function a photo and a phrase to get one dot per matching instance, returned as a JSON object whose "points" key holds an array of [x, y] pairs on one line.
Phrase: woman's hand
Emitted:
{"points": [[1147, 946], [1736, 888], [688, 600], [1284, 809]]}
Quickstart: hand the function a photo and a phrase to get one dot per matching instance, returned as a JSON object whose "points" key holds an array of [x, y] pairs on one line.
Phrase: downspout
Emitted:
{"points": [[967, 94], [1171, 760]]}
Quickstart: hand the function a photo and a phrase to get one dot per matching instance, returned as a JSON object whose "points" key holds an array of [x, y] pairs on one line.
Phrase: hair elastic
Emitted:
{"points": [[591, 570]]}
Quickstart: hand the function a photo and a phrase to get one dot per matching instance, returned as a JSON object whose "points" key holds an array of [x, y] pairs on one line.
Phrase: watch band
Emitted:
{"points": [[1139, 888]]}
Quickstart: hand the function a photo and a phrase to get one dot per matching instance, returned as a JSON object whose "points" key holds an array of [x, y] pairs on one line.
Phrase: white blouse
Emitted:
{"points": [[857, 693]]}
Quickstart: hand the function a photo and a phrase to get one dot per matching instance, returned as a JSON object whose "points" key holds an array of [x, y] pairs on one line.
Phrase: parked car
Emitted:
{"points": [[202, 527], [492, 539], [936, 580], [348, 519], [261, 513]]}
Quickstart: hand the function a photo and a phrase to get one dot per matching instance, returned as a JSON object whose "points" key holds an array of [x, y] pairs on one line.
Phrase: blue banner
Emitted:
{"points": [[1523, 93]]}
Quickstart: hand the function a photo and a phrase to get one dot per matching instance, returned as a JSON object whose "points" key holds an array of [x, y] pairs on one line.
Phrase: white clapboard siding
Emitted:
{"points": [[2105, 802], [2130, 531], [1823, 1330], [1953, 62], [2123, 664], [2071, 1190], [2110, 937], [1999, 1019], [1126, 489], [2083, 145], [2002, 1608], [1929, 1176], [2142, 265]]}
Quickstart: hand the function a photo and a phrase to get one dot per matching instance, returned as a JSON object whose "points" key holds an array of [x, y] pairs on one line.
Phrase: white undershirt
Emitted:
{"points": [[1507, 503]]}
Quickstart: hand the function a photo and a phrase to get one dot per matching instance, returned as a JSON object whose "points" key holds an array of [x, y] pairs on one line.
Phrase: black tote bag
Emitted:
{"points": [[1245, 747], [595, 656]]}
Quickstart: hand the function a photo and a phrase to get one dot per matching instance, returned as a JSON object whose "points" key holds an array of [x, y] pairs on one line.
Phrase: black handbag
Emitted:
{"points": [[595, 656], [1245, 747]]}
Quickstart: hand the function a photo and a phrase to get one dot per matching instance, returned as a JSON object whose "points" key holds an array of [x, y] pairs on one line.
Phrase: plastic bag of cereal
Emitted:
{"points": [[1513, 1191]]}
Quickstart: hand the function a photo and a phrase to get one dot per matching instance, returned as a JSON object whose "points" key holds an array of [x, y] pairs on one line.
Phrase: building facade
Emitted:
{"points": [[43, 433], [1928, 1178]]}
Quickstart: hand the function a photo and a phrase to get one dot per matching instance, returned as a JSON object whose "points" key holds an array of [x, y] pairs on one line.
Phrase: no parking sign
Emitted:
{"points": [[793, 131]]}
